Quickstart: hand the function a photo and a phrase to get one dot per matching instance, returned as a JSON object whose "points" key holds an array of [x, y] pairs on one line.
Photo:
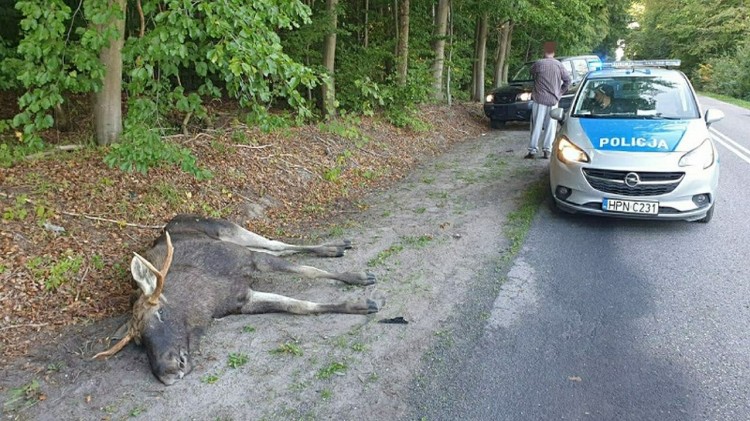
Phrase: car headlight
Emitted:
{"points": [[568, 151], [703, 155], [526, 96], [489, 98]]}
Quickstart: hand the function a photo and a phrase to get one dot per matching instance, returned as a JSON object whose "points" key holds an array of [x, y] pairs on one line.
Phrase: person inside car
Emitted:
{"points": [[603, 100]]}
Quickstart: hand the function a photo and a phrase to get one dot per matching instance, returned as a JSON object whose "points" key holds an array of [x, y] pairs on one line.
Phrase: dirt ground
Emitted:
{"points": [[423, 235]]}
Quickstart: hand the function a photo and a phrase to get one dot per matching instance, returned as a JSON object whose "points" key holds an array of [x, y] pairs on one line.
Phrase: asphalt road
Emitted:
{"points": [[606, 319]]}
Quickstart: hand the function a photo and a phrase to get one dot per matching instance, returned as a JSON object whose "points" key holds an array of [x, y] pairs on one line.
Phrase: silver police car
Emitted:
{"points": [[635, 144]]}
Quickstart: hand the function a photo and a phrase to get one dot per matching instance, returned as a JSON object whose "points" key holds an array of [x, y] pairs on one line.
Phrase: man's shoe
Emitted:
{"points": [[530, 156], [546, 155]]}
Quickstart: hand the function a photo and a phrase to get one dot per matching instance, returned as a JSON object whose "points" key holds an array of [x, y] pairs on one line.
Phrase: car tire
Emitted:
{"points": [[497, 124], [709, 215], [552, 204]]}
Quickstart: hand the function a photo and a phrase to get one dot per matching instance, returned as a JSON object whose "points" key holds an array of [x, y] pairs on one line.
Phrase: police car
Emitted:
{"points": [[635, 144]]}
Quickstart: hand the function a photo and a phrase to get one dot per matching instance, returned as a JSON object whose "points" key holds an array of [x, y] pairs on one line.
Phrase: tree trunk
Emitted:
{"points": [[497, 74], [108, 106], [441, 25], [402, 54], [506, 53], [448, 92], [480, 59], [367, 24], [501, 54], [329, 59]]}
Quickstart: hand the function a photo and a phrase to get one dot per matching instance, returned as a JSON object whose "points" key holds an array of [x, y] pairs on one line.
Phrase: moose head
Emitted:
{"points": [[166, 346]]}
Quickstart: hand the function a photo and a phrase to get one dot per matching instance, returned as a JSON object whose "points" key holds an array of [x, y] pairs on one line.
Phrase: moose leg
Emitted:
{"points": [[264, 302], [268, 263], [238, 235], [224, 230]]}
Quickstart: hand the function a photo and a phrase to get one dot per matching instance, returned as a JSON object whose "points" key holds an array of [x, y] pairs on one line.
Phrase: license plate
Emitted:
{"points": [[631, 206]]}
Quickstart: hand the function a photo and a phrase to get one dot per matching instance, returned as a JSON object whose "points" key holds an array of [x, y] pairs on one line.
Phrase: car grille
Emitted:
{"points": [[649, 184], [504, 98]]}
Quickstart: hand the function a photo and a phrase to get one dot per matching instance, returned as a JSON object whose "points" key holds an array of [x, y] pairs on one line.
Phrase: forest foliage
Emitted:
{"points": [[711, 37], [267, 56]]}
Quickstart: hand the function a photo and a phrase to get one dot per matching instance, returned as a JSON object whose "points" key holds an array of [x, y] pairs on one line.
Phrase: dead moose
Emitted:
{"points": [[207, 267]]}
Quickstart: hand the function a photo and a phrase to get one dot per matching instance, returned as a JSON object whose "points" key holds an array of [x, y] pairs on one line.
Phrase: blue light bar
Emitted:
{"points": [[626, 64]]}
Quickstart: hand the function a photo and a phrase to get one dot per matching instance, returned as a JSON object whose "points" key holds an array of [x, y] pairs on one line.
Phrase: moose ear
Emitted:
{"points": [[143, 276]]}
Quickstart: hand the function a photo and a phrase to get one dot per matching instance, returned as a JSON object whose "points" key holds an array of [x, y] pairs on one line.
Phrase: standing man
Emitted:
{"points": [[551, 80]]}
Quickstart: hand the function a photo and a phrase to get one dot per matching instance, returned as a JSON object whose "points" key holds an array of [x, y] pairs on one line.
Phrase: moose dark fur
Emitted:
{"points": [[207, 266]]}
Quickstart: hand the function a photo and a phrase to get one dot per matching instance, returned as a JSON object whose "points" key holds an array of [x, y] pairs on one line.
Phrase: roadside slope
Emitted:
{"points": [[426, 238]]}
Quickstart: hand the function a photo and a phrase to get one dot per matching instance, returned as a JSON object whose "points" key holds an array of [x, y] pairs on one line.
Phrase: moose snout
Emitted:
{"points": [[172, 366]]}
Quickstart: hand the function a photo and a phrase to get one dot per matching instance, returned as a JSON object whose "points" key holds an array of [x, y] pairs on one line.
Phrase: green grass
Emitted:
{"points": [[729, 99], [326, 394], [248, 329], [519, 221], [288, 348], [416, 242], [331, 369], [237, 359], [385, 255], [358, 347], [54, 274], [137, 411], [23, 397], [210, 378], [336, 231]]}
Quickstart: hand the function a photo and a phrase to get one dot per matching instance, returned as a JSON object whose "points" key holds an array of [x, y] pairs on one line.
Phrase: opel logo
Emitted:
{"points": [[632, 179]]}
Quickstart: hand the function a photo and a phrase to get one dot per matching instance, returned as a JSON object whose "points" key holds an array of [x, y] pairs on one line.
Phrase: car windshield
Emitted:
{"points": [[665, 96], [523, 74]]}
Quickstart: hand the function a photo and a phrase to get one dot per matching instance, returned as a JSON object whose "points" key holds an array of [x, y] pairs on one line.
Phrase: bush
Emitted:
{"points": [[142, 149], [727, 75]]}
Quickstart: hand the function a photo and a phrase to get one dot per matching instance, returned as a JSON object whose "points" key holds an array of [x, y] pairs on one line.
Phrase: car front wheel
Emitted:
{"points": [[497, 124], [709, 215]]}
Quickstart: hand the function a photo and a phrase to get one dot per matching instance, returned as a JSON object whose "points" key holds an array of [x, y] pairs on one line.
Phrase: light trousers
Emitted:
{"points": [[542, 125]]}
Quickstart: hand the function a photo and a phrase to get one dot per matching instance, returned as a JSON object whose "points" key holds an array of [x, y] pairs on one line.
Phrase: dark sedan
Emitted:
{"points": [[512, 102]]}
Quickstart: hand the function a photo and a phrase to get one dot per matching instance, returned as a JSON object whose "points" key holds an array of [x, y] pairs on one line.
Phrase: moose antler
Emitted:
{"points": [[152, 300], [115, 349], [160, 274]]}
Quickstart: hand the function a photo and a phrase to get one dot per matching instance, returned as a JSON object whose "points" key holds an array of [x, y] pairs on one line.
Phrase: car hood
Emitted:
{"points": [[514, 88], [626, 135]]}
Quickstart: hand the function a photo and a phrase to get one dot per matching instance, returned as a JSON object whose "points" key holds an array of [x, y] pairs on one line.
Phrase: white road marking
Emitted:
{"points": [[730, 144]]}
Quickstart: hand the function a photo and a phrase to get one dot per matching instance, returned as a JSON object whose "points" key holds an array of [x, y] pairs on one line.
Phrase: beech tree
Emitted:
{"points": [[480, 57], [108, 106], [329, 59], [441, 27], [402, 51], [502, 51]]}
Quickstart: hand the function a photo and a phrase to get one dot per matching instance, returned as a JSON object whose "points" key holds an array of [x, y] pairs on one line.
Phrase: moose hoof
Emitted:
{"points": [[374, 305], [343, 247], [370, 279]]}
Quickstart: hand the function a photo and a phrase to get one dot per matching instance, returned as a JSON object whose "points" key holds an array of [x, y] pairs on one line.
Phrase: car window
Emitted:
{"points": [[569, 67], [658, 97], [523, 74], [581, 67]]}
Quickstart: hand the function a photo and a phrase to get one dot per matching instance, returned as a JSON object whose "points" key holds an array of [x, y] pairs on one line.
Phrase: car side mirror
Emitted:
{"points": [[713, 115], [558, 114]]}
